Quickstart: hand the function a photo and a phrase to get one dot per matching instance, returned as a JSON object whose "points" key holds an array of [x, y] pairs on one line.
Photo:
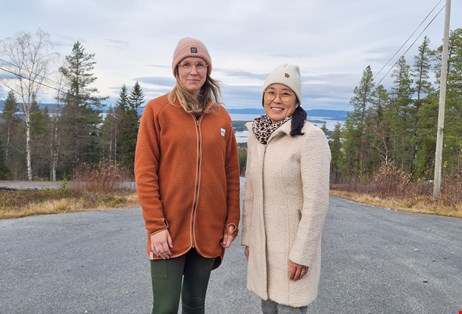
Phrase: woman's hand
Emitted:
{"points": [[246, 252], [228, 237], [161, 243], [297, 271]]}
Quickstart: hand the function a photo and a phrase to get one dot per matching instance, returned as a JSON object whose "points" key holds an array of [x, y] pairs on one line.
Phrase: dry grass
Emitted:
{"points": [[390, 187], [93, 187], [15, 204], [418, 204]]}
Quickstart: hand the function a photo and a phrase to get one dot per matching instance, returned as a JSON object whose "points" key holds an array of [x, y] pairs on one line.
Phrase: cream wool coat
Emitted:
{"points": [[285, 203]]}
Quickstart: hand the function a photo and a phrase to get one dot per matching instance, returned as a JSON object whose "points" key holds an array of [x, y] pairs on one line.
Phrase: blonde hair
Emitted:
{"points": [[208, 100]]}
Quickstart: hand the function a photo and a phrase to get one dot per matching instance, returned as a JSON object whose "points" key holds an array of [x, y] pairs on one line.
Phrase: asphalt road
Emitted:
{"points": [[374, 261]]}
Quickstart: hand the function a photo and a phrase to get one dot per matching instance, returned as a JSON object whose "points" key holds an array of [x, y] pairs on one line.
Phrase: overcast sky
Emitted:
{"points": [[331, 40]]}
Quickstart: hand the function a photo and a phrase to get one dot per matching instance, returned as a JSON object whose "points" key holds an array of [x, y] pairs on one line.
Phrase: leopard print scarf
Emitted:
{"points": [[263, 127]]}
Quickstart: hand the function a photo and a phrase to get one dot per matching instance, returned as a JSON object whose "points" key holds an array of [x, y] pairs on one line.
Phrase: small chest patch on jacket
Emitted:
{"points": [[222, 132]]}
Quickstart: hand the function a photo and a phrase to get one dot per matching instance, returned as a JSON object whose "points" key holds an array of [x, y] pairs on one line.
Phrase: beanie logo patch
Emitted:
{"points": [[286, 75], [193, 50]]}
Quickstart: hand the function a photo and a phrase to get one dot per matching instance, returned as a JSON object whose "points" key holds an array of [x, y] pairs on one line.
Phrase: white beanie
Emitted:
{"points": [[287, 74]]}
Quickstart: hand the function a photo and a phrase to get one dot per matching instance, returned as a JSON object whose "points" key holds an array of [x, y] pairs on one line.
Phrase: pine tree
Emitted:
{"points": [[423, 91], [421, 71], [80, 117], [452, 152], [426, 138], [355, 126], [400, 116], [378, 130]]}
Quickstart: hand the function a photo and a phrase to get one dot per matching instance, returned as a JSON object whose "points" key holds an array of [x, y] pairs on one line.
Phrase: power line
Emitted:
{"points": [[431, 21], [410, 38], [26, 78]]}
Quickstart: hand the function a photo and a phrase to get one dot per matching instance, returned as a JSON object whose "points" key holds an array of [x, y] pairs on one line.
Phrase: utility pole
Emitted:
{"points": [[442, 105]]}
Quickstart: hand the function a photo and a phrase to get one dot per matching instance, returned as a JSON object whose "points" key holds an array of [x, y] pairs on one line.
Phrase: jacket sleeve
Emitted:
{"points": [[233, 182], [315, 168], [147, 156]]}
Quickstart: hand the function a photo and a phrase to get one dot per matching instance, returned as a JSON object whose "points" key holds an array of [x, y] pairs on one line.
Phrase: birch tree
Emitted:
{"points": [[27, 58]]}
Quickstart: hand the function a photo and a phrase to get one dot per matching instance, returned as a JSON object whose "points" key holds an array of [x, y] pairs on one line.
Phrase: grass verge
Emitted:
{"points": [[420, 204], [15, 204]]}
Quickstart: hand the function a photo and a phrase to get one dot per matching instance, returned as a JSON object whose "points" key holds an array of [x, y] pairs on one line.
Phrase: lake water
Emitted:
{"points": [[241, 136]]}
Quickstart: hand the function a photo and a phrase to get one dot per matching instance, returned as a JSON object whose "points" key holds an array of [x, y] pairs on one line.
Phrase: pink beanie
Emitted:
{"points": [[190, 47]]}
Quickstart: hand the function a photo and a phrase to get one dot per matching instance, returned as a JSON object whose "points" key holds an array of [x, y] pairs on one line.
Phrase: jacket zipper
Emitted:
{"points": [[197, 183]]}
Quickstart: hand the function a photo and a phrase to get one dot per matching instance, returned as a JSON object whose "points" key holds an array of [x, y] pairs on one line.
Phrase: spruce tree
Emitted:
{"points": [[9, 126], [129, 128], [121, 117], [110, 134], [40, 122], [136, 97], [4, 171], [337, 161]]}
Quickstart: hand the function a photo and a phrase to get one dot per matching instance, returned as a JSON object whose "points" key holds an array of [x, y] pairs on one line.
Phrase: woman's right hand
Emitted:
{"points": [[161, 243], [246, 252]]}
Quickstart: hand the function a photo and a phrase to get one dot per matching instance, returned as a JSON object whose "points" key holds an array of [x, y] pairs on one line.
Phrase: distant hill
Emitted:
{"points": [[246, 111], [329, 113], [324, 113], [51, 107]]}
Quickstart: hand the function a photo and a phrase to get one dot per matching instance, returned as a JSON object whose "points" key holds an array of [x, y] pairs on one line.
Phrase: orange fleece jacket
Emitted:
{"points": [[187, 177]]}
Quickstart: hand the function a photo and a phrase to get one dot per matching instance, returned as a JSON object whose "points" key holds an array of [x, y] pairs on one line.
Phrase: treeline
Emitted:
{"points": [[391, 133], [73, 136], [389, 136]]}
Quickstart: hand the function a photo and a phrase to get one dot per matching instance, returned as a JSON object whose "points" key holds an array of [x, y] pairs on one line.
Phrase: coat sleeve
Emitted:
{"points": [[248, 198], [315, 167], [147, 156], [233, 182]]}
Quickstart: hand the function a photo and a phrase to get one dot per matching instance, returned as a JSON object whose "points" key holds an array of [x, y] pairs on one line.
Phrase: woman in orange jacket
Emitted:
{"points": [[187, 179]]}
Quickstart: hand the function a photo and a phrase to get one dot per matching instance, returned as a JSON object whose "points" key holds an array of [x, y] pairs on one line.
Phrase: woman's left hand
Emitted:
{"points": [[297, 271], [228, 238]]}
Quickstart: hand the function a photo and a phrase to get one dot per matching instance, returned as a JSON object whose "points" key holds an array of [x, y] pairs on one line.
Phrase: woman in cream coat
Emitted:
{"points": [[286, 198]]}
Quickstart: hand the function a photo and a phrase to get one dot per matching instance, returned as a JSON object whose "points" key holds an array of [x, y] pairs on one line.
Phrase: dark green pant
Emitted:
{"points": [[168, 283]]}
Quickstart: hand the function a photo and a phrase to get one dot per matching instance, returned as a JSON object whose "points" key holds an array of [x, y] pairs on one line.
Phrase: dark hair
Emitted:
{"points": [[298, 121]]}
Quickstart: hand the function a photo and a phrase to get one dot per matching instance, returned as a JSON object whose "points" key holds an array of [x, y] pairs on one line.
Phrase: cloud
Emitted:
{"points": [[331, 41]]}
